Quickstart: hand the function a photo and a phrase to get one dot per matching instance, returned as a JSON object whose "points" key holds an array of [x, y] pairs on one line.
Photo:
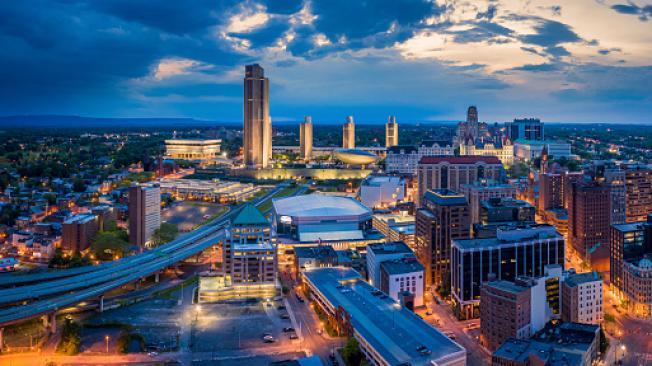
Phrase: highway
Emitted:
{"points": [[90, 284]]}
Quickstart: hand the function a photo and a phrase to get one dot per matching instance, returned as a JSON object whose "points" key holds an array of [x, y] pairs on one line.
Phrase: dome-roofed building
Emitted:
{"points": [[355, 156]]}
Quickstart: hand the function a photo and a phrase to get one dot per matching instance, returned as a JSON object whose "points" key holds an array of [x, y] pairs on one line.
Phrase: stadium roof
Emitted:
{"points": [[318, 205]]}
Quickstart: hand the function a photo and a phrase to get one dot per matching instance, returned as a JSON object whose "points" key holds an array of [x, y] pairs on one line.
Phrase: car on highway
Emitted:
{"points": [[300, 299], [285, 316], [293, 336], [288, 329], [268, 338]]}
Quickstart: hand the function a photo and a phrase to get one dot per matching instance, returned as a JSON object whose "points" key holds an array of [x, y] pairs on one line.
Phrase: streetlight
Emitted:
{"points": [[197, 310], [106, 338]]}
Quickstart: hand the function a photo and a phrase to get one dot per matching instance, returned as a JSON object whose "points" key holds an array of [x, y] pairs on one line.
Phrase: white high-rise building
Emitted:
{"points": [[391, 132], [305, 138], [348, 134]]}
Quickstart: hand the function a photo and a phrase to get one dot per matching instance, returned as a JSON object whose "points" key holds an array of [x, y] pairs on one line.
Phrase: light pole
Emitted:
{"points": [[197, 310], [106, 338]]}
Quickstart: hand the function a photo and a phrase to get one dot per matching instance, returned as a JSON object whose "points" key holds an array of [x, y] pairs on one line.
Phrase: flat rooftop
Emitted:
{"points": [[393, 331], [80, 218], [629, 227], [378, 180], [580, 278], [521, 234], [389, 248], [319, 205], [315, 251], [445, 197], [391, 218], [507, 286], [400, 266]]}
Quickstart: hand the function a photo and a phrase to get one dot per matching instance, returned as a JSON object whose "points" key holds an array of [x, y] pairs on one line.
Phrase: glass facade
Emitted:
{"points": [[504, 261]]}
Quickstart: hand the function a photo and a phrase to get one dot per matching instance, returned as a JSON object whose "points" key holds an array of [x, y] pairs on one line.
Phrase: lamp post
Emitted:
{"points": [[106, 339]]}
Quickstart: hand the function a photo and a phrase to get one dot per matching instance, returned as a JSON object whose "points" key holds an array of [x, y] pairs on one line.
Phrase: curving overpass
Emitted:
{"points": [[57, 290]]}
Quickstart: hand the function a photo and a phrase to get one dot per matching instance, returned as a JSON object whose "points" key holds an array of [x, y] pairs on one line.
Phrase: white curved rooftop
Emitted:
{"points": [[319, 205]]}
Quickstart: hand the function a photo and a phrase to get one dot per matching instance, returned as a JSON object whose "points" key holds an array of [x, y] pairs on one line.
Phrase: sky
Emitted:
{"points": [[420, 60]]}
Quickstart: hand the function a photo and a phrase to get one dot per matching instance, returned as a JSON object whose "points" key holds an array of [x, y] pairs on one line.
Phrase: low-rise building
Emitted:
{"points": [[637, 288], [382, 191], [380, 252], [484, 190], [581, 298], [562, 344], [398, 276], [388, 333], [531, 149], [396, 227], [213, 190], [504, 313], [192, 149], [314, 256]]}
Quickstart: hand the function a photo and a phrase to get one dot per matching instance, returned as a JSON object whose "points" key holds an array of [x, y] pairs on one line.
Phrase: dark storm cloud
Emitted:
{"points": [[551, 33], [643, 12], [361, 24], [177, 17], [538, 67], [63, 51]]}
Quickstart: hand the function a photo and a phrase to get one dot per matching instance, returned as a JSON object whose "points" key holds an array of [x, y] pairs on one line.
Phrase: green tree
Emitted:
{"points": [[78, 185], [108, 244], [165, 234], [604, 341], [70, 338], [351, 353]]}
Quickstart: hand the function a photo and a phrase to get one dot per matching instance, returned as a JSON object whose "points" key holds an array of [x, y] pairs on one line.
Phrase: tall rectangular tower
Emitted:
{"points": [[305, 138], [444, 217], [589, 221], [348, 134], [257, 138], [144, 212], [391, 132]]}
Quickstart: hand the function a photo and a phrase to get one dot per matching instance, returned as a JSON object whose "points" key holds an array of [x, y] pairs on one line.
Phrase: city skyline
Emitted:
{"points": [[579, 61]]}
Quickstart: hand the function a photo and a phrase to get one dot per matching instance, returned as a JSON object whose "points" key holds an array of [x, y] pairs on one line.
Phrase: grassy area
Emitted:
{"points": [[285, 192]]}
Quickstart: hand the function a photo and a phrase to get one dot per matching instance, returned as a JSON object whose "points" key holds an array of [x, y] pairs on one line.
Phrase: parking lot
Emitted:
{"points": [[157, 320], [187, 215], [243, 325]]}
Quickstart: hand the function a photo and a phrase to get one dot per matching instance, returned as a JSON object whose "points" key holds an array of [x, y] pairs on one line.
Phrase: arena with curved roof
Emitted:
{"points": [[317, 217]]}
